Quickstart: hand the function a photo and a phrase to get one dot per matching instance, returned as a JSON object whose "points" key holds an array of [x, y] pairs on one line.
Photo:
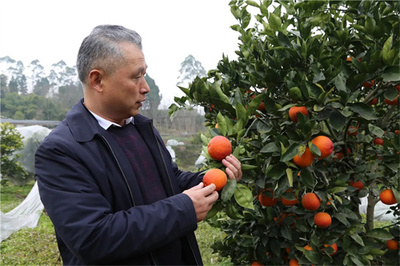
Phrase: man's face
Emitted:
{"points": [[125, 89]]}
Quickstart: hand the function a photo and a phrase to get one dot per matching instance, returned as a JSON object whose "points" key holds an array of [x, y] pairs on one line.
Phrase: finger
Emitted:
{"points": [[213, 197], [209, 189], [231, 159], [196, 187]]}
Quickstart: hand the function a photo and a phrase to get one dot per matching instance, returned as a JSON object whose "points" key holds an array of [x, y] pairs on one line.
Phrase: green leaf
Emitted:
{"points": [[241, 113], [232, 212], [312, 256], [391, 93], [252, 3], [248, 166], [377, 131], [228, 190], [387, 56], [270, 148], [379, 233], [214, 210], [356, 238], [391, 73], [277, 171], [290, 152], [221, 124], [337, 120], [342, 219], [274, 21], [289, 174], [243, 196], [364, 110]]}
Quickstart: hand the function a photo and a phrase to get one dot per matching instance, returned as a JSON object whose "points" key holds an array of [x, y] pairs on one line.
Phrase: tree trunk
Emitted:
{"points": [[372, 200]]}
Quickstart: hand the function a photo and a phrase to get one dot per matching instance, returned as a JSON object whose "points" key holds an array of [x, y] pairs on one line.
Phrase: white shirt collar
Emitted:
{"points": [[104, 123]]}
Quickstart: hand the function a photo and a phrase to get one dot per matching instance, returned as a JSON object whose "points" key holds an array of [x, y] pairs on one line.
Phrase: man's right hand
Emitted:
{"points": [[203, 199]]}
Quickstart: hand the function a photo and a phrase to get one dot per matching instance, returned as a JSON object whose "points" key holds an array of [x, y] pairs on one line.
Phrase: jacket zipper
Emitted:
{"points": [[172, 189], [153, 260], [120, 168]]}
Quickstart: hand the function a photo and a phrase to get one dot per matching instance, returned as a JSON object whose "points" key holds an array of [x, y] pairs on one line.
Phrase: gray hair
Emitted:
{"points": [[101, 49]]}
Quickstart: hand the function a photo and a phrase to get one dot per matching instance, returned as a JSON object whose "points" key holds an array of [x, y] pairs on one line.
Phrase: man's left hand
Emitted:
{"points": [[233, 167]]}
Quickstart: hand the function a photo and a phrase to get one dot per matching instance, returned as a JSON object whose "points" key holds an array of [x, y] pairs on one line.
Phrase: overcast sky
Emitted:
{"points": [[52, 30]]}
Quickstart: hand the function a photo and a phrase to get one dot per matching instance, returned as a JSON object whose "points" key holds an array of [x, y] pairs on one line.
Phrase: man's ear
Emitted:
{"points": [[95, 79]]}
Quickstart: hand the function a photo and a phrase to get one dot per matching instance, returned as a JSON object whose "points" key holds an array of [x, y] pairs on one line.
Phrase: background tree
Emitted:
{"points": [[153, 98], [340, 61], [190, 69], [11, 169]]}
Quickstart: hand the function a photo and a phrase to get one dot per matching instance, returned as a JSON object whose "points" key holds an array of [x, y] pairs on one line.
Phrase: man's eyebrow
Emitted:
{"points": [[141, 70]]}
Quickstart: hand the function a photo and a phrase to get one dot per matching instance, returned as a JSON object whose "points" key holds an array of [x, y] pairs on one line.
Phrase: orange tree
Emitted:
{"points": [[340, 60]]}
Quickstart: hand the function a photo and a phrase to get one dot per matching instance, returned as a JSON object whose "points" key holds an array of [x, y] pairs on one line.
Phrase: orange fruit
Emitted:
{"points": [[373, 101], [369, 84], [352, 131], [216, 125], [378, 141], [358, 184], [288, 202], [256, 263], [266, 200], [219, 147], [306, 159], [293, 262], [392, 244], [322, 219], [392, 102], [396, 131], [334, 246], [293, 111], [387, 197], [324, 144], [310, 201], [215, 176], [338, 155], [308, 247]]}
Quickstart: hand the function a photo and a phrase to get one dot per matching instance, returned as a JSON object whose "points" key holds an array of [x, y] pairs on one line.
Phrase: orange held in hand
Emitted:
{"points": [[215, 176], [324, 144], [322, 219], [306, 159], [387, 197], [219, 147], [293, 111], [310, 201]]}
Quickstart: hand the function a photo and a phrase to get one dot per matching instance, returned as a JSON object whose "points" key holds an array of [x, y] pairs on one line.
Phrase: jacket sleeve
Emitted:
{"points": [[83, 217]]}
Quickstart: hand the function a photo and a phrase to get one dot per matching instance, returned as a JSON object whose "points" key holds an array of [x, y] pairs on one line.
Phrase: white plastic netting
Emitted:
{"points": [[26, 214]]}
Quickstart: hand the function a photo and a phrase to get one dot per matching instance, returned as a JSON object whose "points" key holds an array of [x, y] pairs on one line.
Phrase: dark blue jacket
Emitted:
{"points": [[91, 194]]}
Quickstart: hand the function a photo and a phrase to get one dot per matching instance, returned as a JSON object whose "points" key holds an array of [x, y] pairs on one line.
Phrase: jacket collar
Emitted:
{"points": [[84, 126]]}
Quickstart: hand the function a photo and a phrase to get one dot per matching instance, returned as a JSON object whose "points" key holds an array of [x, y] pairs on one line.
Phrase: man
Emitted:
{"points": [[105, 177]]}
